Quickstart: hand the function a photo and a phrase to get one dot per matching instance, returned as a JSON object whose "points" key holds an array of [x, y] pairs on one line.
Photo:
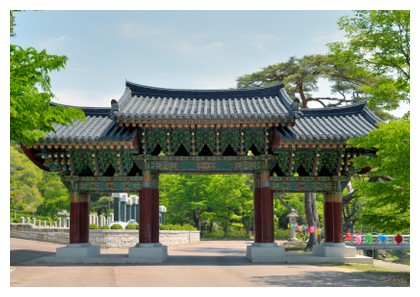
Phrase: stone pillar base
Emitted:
{"points": [[78, 250], [334, 250], [265, 253], [148, 253]]}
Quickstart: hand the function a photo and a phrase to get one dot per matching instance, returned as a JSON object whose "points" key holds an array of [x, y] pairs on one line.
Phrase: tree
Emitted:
{"points": [[379, 41], [185, 197], [386, 187], [102, 204], [203, 200], [31, 112], [348, 82], [24, 179], [33, 190], [231, 201], [55, 194]]}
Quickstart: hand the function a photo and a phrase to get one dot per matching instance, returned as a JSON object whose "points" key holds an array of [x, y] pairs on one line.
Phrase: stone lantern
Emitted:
{"points": [[162, 211], [63, 219], [292, 220]]}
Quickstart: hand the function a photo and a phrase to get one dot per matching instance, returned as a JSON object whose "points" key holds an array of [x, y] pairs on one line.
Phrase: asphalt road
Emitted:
{"points": [[203, 264]]}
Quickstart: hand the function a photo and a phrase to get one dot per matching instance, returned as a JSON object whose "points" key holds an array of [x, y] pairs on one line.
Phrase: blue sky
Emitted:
{"points": [[174, 49]]}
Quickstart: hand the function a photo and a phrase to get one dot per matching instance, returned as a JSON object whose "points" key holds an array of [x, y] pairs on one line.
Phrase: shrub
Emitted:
{"points": [[116, 226], [132, 227], [215, 234], [176, 227], [282, 233], [93, 226], [105, 227]]}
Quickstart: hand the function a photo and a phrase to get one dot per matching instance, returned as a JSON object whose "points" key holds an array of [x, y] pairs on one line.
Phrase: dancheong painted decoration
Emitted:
{"points": [[258, 131]]}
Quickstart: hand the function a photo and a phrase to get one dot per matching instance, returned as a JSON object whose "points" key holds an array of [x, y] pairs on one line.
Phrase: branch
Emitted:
{"points": [[287, 205], [319, 100], [347, 198]]}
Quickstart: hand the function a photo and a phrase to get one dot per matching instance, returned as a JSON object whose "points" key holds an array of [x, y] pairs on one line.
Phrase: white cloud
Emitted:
{"points": [[170, 39], [139, 31], [188, 46], [53, 44], [322, 38]]}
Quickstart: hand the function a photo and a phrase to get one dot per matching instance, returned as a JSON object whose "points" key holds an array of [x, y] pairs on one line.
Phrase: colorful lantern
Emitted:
{"points": [[358, 239], [312, 229], [293, 226], [382, 238], [318, 231], [369, 238], [398, 239], [348, 236], [304, 228]]}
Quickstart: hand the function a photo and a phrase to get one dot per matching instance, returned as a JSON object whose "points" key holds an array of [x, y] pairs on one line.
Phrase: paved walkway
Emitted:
{"points": [[203, 264]]}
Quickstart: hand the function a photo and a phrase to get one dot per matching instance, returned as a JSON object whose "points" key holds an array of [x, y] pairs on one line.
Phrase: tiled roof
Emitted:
{"points": [[325, 124], [99, 127], [104, 125], [143, 104]]}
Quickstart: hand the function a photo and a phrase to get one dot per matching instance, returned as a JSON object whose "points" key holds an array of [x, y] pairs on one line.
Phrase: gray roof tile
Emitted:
{"points": [[138, 103], [338, 123], [142, 102]]}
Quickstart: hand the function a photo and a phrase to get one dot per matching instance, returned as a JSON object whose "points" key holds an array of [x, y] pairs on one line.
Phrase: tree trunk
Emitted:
{"points": [[351, 207], [312, 218]]}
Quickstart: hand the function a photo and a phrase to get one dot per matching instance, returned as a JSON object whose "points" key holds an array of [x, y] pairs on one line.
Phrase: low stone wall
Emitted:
{"points": [[102, 238], [30, 232]]}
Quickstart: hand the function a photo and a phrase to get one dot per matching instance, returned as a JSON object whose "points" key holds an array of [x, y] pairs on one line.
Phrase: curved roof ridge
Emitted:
{"points": [[137, 89], [89, 111], [351, 109]]}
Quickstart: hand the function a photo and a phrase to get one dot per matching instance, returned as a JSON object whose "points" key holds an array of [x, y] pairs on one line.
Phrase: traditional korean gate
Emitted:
{"points": [[151, 131]]}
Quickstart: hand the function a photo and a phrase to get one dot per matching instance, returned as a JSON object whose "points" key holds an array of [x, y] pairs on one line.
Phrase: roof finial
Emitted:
{"points": [[295, 108], [115, 109]]}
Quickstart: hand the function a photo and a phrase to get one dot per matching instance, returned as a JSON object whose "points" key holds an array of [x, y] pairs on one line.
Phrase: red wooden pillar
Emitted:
{"points": [[79, 218], [149, 209], [263, 209], [333, 217]]}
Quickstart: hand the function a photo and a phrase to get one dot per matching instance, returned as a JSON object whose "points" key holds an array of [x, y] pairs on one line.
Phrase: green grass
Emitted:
{"points": [[381, 273]]}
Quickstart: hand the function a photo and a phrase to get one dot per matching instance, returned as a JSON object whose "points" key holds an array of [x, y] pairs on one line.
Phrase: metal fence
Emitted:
{"points": [[379, 242]]}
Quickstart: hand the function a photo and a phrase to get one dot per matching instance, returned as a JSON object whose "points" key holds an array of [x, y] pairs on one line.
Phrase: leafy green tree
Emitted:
{"points": [[102, 204], [185, 197], [24, 179], [203, 200], [379, 41], [348, 82], [31, 112], [386, 187], [33, 190], [231, 201], [55, 194]]}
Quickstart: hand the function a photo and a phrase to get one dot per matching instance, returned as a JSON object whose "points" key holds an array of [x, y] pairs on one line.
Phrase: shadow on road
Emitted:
{"points": [[21, 257], [336, 279]]}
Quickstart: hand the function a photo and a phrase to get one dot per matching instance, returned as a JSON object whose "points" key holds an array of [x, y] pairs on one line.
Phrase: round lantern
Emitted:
{"points": [[382, 238], [304, 228], [398, 239], [312, 229], [369, 238], [293, 226], [358, 239], [348, 236]]}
